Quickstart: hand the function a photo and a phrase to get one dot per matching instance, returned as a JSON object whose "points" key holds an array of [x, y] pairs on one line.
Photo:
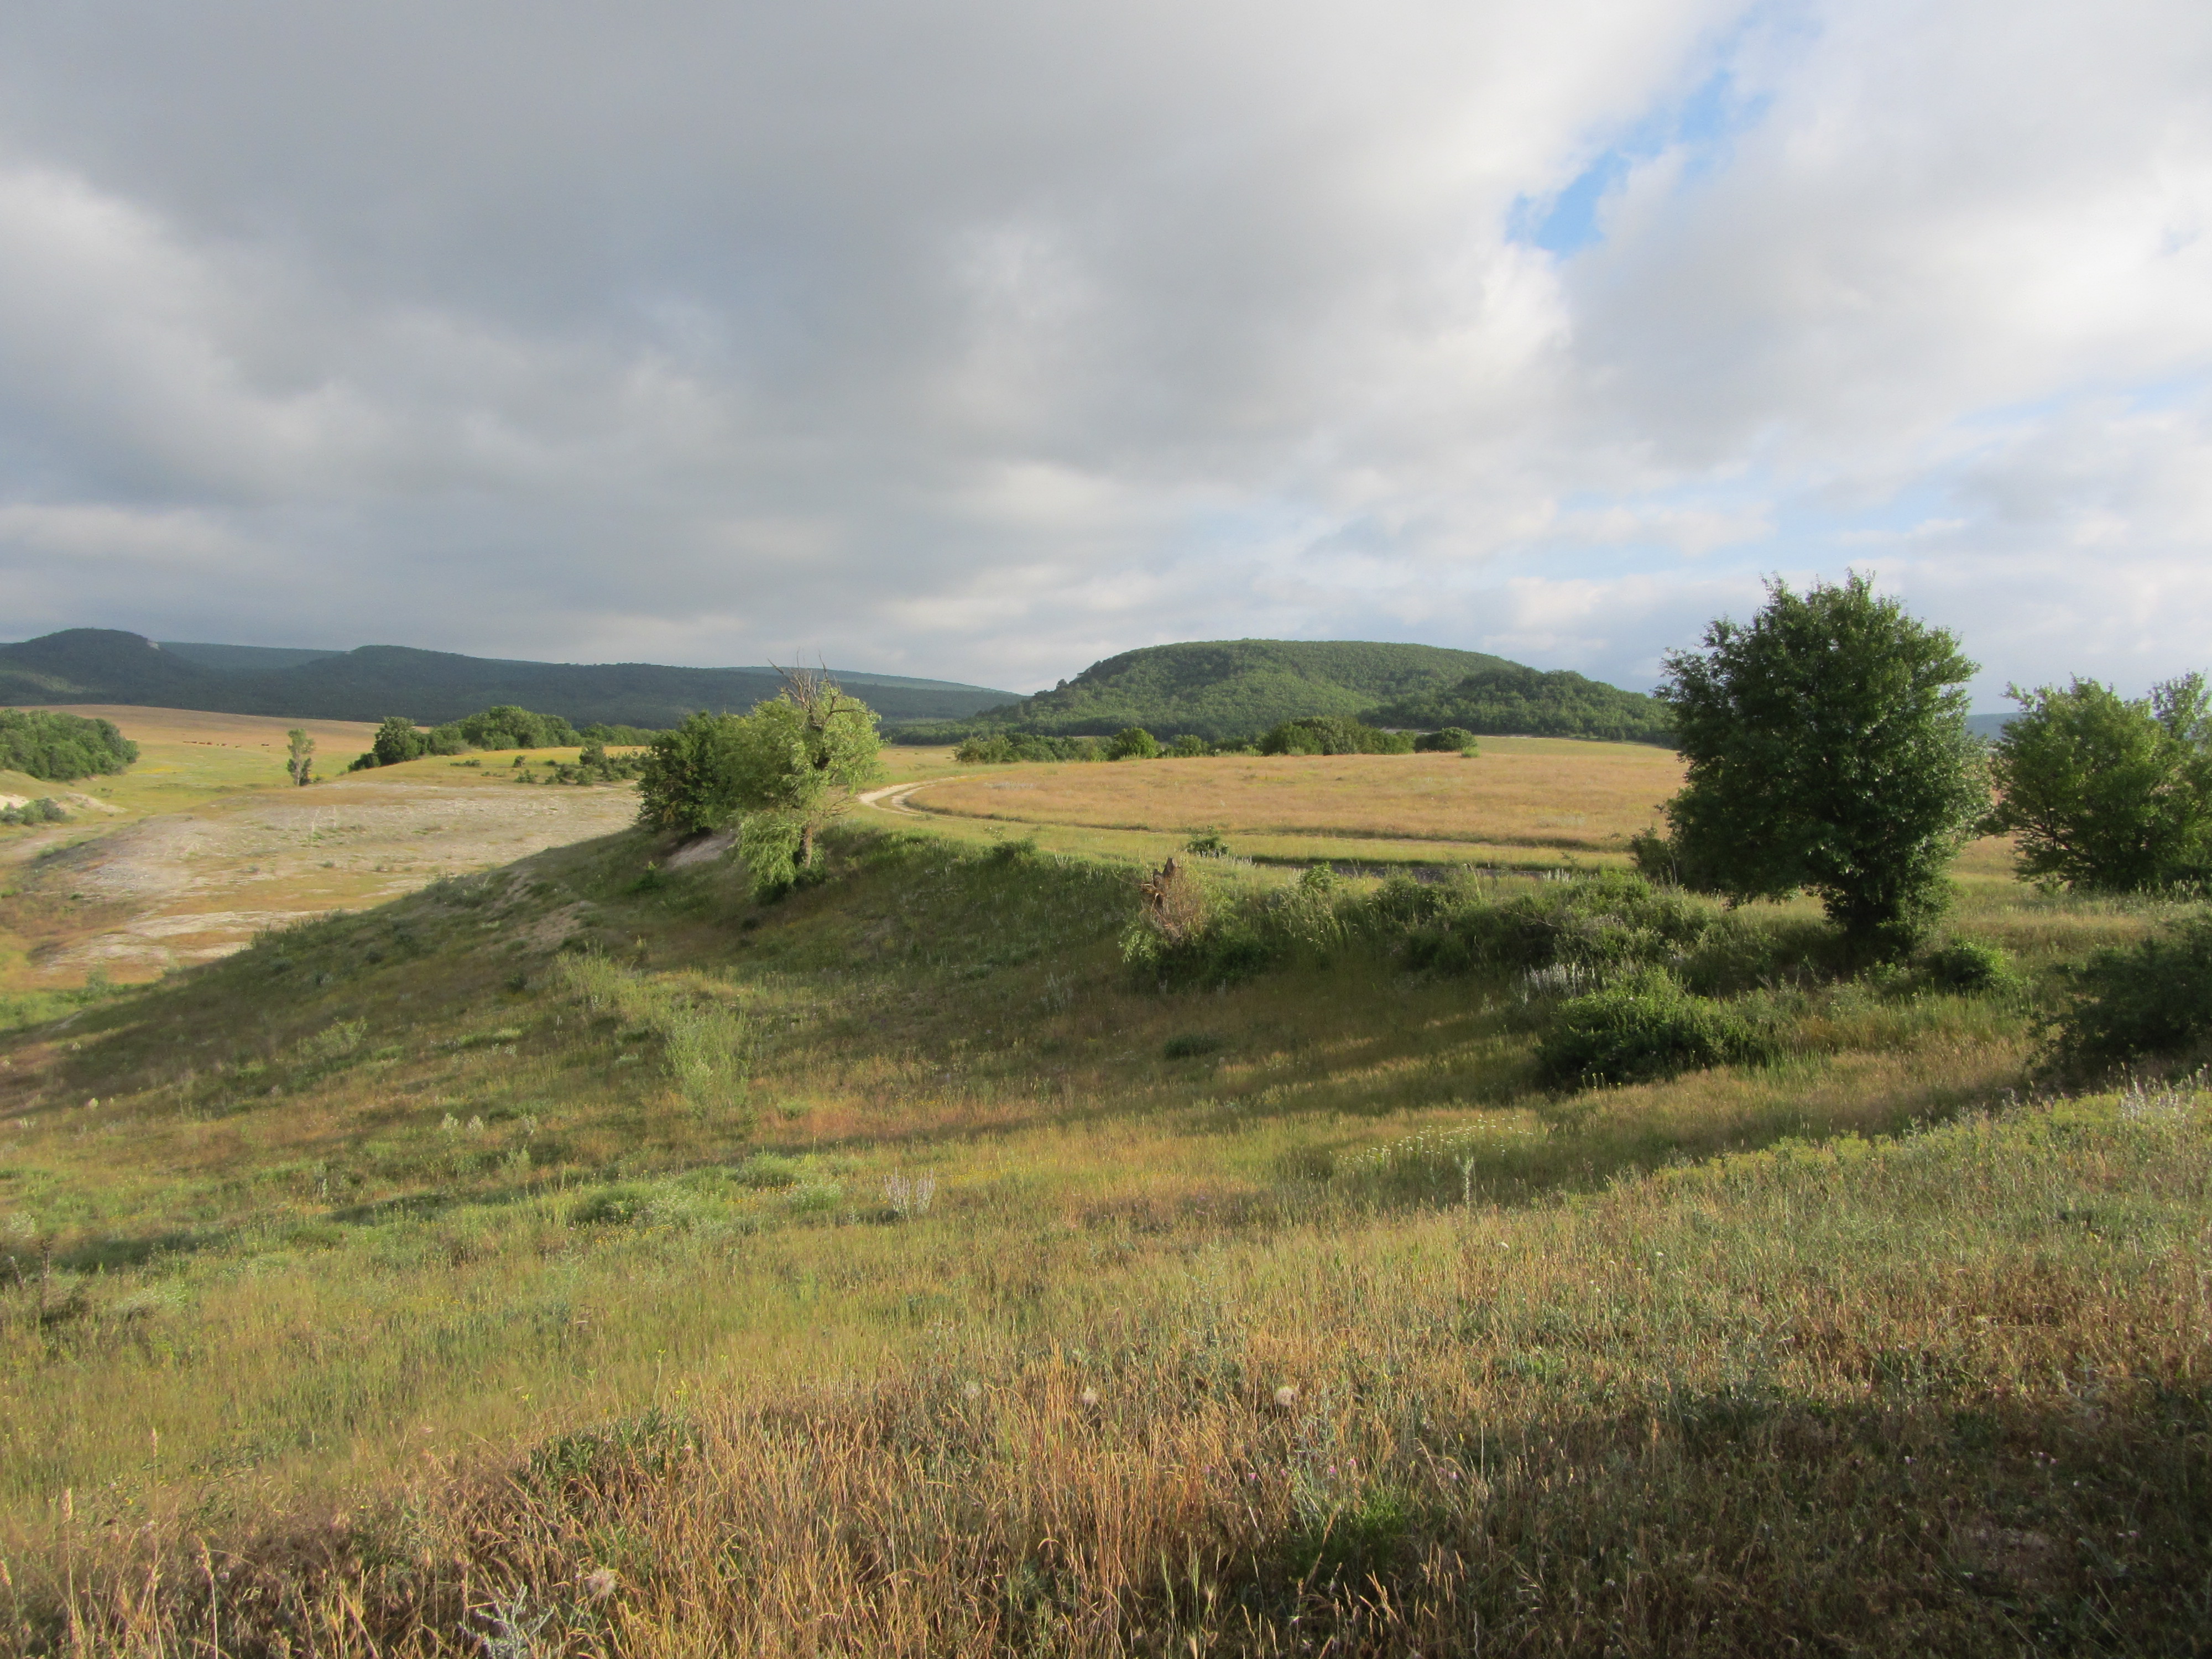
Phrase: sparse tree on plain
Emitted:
{"points": [[1827, 749], [299, 761]]}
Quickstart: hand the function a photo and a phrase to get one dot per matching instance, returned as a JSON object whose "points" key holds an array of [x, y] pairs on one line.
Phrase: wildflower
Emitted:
{"points": [[1088, 1397], [972, 1390], [1286, 1396], [598, 1584]]}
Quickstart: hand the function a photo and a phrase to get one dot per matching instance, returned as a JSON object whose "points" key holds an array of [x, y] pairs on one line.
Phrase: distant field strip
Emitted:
{"points": [[1575, 797]]}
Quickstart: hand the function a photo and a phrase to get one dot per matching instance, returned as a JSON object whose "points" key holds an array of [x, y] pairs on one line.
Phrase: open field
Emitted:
{"points": [[1519, 793], [205, 842], [575, 1247]]}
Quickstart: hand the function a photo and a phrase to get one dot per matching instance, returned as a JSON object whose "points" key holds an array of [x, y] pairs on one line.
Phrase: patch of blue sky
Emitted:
{"points": [[1701, 128]]}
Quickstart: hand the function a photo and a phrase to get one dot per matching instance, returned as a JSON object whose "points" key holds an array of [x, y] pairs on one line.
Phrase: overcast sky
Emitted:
{"points": [[982, 339]]}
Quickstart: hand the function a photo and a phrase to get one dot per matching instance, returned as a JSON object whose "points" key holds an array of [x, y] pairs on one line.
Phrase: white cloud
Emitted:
{"points": [[987, 343]]}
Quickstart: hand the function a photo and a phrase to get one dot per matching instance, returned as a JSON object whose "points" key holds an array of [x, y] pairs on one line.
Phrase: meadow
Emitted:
{"points": [[571, 1256], [1520, 797]]}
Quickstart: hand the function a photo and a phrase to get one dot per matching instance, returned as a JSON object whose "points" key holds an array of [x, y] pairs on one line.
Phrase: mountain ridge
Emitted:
{"points": [[94, 665]]}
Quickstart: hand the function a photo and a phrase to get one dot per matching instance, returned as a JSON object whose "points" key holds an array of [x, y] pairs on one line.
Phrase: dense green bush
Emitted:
{"points": [[1189, 746], [57, 748], [44, 809], [1133, 742], [504, 726], [1644, 1028], [2152, 1000], [1334, 734], [1964, 965], [1451, 740]]}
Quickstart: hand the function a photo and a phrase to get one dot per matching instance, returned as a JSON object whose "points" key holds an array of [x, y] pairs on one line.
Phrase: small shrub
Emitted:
{"points": [[1189, 746], [1963, 965], [1206, 844], [1192, 1045], [1450, 740], [610, 1206], [1643, 1029], [2151, 999], [1019, 850], [768, 1171], [815, 1197]]}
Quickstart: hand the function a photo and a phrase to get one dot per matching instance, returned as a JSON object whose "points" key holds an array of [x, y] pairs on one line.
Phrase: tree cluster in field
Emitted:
{"points": [[59, 748], [778, 773], [398, 739], [1326, 734], [44, 809]]}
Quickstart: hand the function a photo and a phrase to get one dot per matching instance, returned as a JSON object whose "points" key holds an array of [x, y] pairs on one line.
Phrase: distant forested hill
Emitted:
{"points": [[98, 664], [1230, 690]]}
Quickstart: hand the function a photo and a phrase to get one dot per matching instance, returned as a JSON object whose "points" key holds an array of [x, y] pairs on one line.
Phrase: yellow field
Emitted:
{"points": [[1520, 793]]}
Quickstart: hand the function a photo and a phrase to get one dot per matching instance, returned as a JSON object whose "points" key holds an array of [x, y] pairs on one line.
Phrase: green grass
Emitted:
{"points": [[538, 1226]]}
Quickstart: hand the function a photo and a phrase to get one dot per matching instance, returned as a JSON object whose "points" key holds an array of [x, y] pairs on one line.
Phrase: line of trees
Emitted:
{"points": [[504, 726]]}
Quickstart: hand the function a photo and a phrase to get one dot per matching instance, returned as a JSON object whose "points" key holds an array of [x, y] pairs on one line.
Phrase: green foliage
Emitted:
{"points": [[1827, 750], [503, 726], [2151, 1000], [1975, 968], [1333, 734], [1508, 698], [1644, 1028], [1004, 748], [1206, 844], [398, 741], [769, 844], [57, 748], [299, 757], [1450, 740], [693, 775], [1133, 742], [787, 767], [1189, 746], [2107, 795], [44, 809]]}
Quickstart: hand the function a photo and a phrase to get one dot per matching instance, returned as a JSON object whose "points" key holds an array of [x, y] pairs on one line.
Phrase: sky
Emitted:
{"points": [[984, 338]]}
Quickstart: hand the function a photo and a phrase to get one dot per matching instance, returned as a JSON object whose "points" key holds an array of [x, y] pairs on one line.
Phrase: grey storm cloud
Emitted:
{"points": [[984, 339]]}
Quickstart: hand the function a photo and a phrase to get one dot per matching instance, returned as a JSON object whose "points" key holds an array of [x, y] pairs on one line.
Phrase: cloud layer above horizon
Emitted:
{"points": [[985, 339]]}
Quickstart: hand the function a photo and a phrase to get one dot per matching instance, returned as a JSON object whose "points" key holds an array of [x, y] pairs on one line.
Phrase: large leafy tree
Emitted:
{"points": [[784, 770], [1827, 748], [2108, 794]]}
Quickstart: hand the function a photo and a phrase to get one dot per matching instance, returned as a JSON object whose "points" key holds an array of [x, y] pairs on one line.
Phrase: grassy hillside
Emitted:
{"points": [[88, 665], [581, 1251], [1231, 689]]}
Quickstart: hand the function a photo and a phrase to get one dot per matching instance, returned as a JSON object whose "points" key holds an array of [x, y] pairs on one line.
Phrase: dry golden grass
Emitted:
{"points": [[1518, 793]]}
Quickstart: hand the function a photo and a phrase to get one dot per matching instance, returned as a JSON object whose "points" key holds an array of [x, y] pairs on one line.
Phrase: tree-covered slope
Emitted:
{"points": [[102, 665], [1511, 698], [88, 665], [1229, 690]]}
